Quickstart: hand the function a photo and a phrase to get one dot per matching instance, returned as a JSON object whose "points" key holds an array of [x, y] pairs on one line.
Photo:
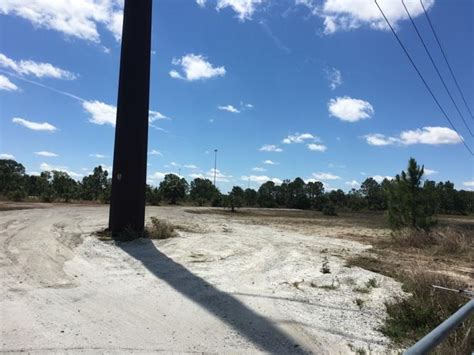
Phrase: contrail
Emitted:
{"points": [[65, 93]]}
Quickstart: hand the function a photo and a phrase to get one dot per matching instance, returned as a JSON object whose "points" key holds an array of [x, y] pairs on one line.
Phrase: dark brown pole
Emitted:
{"points": [[127, 204]]}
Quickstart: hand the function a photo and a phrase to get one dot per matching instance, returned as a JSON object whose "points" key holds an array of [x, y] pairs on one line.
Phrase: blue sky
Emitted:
{"points": [[319, 88]]}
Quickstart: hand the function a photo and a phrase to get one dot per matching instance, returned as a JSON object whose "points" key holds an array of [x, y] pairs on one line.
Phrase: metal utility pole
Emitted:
{"points": [[215, 165], [127, 204]]}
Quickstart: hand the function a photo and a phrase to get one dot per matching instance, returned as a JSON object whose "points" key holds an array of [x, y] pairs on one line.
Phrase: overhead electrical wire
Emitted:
{"points": [[446, 59], [436, 68], [423, 79]]}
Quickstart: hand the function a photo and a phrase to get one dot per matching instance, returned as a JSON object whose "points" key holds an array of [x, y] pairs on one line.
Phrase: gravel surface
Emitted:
{"points": [[225, 285]]}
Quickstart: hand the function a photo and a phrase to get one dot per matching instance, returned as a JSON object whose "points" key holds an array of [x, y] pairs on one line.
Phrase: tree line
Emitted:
{"points": [[425, 197]]}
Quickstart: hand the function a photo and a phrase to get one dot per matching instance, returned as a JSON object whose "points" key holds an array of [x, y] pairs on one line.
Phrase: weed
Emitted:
{"points": [[325, 267], [372, 283], [361, 290], [160, 229], [359, 302]]}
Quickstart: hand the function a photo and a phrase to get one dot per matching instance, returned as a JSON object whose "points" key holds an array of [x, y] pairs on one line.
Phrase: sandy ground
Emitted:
{"points": [[225, 285]]}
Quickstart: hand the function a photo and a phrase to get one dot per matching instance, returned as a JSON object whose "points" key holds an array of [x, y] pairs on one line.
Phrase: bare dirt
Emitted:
{"points": [[227, 284]]}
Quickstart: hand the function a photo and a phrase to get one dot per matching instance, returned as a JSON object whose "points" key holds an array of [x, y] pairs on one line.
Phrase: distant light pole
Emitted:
{"points": [[127, 203], [215, 165]]}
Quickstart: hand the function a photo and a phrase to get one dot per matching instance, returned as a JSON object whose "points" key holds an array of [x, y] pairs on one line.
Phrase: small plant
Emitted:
{"points": [[329, 210], [359, 302], [372, 283], [331, 287], [160, 229], [325, 267]]}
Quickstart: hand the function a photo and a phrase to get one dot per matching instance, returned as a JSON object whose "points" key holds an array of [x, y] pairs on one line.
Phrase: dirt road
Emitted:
{"points": [[223, 286]]}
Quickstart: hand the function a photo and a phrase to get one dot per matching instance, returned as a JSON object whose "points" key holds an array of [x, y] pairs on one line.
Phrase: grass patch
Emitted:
{"points": [[363, 290], [159, 229], [409, 319], [359, 302], [372, 283]]}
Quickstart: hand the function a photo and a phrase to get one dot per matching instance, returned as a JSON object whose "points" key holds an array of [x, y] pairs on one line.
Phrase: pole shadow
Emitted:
{"points": [[254, 327]]}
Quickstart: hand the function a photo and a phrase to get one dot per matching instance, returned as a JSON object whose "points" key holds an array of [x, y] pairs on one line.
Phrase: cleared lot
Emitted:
{"points": [[226, 284]]}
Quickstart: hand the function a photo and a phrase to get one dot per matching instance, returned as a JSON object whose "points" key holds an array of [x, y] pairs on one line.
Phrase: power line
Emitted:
{"points": [[446, 59], [422, 78], [436, 68]]}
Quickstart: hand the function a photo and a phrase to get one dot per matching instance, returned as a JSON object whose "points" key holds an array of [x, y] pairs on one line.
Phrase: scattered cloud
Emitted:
{"points": [[195, 67], [468, 183], [270, 148], [78, 18], [325, 176], [40, 70], [6, 84], [44, 153], [260, 179], [190, 166], [155, 116], [297, 138], [350, 110], [334, 77], [380, 178], [155, 152], [259, 169], [352, 183], [7, 156], [270, 162], [35, 126], [346, 15], [425, 135], [48, 167], [102, 113], [244, 9], [220, 177], [317, 147], [429, 172], [228, 108], [98, 156]]}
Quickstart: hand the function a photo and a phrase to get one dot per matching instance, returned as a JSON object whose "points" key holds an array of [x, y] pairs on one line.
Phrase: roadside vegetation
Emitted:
{"points": [[429, 197]]}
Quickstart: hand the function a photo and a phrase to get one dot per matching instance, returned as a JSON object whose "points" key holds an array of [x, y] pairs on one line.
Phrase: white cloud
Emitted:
{"points": [[346, 15], [352, 183], [270, 148], [317, 147], [270, 162], [425, 135], [259, 169], [201, 3], [430, 172], [220, 177], [325, 176], [430, 135], [47, 167], [468, 183], [155, 116], [380, 178], [98, 156], [190, 166], [154, 152], [35, 126], [297, 138], [44, 153], [6, 84], [248, 106], [40, 70], [378, 139], [77, 18], [102, 113], [7, 156], [349, 109], [334, 77], [228, 108], [260, 179], [243, 8], [195, 67]]}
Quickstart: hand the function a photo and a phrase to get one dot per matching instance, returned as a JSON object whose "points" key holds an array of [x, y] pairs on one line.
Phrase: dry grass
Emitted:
{"points": [[405, 256], [411, 318], [159, 229]]}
